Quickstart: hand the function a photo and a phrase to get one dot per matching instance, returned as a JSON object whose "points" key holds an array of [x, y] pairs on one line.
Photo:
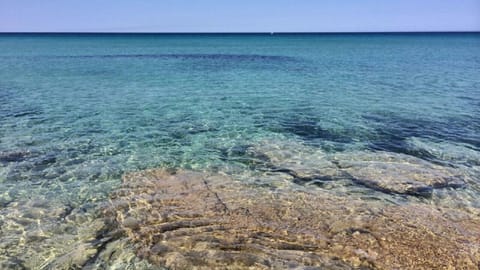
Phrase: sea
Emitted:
{"points": [[78, 111]]}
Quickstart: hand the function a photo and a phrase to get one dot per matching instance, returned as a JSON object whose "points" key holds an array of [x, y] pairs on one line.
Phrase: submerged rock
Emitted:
{"points": [[383, 171], [14, 156], [185, 220], [297, 160], [398, 173], [41, 233], [447, 151]]}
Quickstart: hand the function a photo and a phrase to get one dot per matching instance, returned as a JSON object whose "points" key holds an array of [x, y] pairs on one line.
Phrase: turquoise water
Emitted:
{"points": [[78, 111]]}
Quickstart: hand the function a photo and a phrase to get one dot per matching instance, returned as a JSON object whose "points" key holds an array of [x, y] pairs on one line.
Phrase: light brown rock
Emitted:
{"points": [[196, 220]]}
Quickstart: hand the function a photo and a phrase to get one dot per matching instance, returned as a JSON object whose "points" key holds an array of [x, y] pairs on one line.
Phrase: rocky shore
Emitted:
{"points": [[185, 219], [280, 205]]}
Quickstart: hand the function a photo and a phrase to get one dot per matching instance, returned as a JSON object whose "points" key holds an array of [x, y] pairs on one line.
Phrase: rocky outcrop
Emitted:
{"points": [[383, 171], [398, 173], [185, 220]]}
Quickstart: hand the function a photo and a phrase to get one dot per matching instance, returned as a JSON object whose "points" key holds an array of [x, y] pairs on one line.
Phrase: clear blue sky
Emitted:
{"points": [[238, 16]]}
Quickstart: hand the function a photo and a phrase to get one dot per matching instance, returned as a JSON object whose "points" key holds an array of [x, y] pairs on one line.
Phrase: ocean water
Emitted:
{"points": [[78, 111]]}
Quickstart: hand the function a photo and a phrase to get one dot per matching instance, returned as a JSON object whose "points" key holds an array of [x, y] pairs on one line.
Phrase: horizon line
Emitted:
{"points": [[240, 32]]}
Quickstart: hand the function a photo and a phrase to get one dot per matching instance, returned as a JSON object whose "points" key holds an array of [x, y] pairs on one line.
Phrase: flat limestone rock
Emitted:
{"points": [[383, 171], [398, 173], [298, 160], [193, 220]]}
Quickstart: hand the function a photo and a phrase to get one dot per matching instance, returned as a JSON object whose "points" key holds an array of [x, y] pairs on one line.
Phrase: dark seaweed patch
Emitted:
{"points": [[396, 143], [391, 132], [200, 61], [386, 132], [225, 57], [310, 130]]}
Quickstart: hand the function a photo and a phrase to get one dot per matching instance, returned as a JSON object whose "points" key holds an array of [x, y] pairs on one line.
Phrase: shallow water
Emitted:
{"points": [[78, 111]]}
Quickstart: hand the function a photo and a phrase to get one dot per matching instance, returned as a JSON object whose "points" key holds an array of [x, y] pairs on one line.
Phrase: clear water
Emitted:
{"points": [[77, 111]]}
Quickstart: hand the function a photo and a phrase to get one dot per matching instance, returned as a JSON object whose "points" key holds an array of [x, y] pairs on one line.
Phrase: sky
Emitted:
{"points": [[238, 15]]}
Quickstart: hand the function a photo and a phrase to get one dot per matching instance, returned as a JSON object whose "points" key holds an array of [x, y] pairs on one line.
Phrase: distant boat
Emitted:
{"points": [[271, 33]]}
